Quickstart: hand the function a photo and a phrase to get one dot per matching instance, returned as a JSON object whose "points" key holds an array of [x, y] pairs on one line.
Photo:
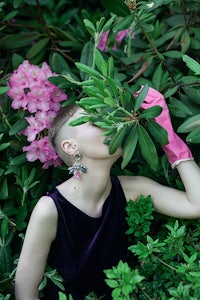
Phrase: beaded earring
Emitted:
{"points": [[77, 169]]}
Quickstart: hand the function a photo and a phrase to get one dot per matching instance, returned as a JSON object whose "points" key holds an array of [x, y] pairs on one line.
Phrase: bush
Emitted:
{"points": [[159, 48]]}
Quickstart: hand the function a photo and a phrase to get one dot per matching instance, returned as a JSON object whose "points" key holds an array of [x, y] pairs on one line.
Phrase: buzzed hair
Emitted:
{"points": [[61, 119]]}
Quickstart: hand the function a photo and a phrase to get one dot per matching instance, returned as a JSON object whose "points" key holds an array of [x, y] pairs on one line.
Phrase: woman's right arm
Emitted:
{"points": [[40, 233]]}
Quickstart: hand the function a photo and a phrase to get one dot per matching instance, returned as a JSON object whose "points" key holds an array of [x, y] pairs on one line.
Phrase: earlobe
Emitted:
{"points": [[68, 147]]}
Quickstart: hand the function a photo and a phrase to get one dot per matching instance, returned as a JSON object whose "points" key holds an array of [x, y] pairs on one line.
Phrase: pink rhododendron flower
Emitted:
{"points": [[30, 89], [119, 38]]}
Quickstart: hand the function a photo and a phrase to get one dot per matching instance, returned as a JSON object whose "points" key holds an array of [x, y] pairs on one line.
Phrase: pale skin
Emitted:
{"points": [[89, 198]]}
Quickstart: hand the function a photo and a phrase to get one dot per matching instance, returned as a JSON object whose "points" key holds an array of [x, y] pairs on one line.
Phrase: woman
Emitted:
{"points": [[80, 225]]}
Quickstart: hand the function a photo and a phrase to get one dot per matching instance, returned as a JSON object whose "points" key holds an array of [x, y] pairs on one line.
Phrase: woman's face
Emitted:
{"points": [[90, 141]]}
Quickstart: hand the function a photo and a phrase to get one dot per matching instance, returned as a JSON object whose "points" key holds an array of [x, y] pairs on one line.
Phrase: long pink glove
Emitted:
{"points": [[176, 150]]}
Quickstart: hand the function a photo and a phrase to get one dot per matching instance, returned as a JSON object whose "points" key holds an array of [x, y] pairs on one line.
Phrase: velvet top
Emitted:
{"points": [[85, 246]]}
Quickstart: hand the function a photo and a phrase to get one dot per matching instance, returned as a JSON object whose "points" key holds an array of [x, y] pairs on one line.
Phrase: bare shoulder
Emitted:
{"points": [[45, 208], [43, 218]]}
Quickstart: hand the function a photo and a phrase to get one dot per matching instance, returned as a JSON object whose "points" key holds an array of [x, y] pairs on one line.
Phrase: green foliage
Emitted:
{"points": [[164, 54], [165, 262]]}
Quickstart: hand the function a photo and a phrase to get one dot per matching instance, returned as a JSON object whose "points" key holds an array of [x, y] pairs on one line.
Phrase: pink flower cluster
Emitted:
{"points": [[119, 38], [30, 89]]}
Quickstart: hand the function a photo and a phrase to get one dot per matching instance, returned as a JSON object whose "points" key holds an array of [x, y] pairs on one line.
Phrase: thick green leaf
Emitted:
{"points": [[190, 124], [4, 189], [37, 48], [116, 140], [87, 58], [173, 54], [18, 40], [117, 7], [129, 147], [141, 96], [194, 136], [3, 146], [18, 160], [194, 94], [157, 77], [100, 62], [3, 90], [158, 132], [124, 23], [89, 26], [18, 126], [151, 112], [113, 86], [80, 121], [16, 60], [88, 70], [147, 147], [191, 64], [59, 64]]}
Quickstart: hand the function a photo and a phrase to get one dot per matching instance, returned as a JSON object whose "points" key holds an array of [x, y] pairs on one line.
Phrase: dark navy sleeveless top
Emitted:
{"points": [[85, 246]]}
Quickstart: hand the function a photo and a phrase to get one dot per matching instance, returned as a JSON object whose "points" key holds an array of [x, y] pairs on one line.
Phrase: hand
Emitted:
{"points": [[176, 150]]}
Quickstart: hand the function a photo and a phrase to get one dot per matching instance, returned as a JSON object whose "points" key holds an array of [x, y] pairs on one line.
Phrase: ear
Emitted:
{"points": [[69, 147]]}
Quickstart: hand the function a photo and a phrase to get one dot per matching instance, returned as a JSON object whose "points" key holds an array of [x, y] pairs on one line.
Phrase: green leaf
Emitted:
{"points": [[185, 41], [157, 77], [147, 147], [59, 64], [16, 60], [18, 126], [171, 91], [190, 124], [158, 132], [18, 160], [80, 121], [4, 189], [88, 70], [191, 64], [151, 112], [3, 90], [10, 15], [116, 140], [37, 48], [117, 7], [141, 96], [129, 147], [100, 24], [4, 146], [89, 26], [109, 101], [173, 54], [124, 23], [100, 63], [113, 86], [194, 136], [87, 58]]}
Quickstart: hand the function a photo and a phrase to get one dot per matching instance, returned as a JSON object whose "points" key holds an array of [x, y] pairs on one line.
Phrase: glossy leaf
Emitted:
{"points": [[158, 132], [88, 70], [147, 148], [116, 140], [190, 124], [129, 147], [141, 96], [194, 136], [151, 112], [117, 7], [37, 48], [80, 121]]}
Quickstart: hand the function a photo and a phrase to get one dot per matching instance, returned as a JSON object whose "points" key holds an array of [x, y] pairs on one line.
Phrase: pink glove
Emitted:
{"points": [[176, 150]]}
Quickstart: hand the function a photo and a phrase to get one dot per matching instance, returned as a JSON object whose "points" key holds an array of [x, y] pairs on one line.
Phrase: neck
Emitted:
{"points": [[94, 185]]}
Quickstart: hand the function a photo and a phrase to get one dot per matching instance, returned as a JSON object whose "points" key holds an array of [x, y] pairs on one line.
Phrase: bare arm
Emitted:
{"points": [[169, 201], [40, 233]]}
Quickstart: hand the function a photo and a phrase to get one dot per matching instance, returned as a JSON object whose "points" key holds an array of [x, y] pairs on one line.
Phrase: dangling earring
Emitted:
{"points": [[77, 169]]}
